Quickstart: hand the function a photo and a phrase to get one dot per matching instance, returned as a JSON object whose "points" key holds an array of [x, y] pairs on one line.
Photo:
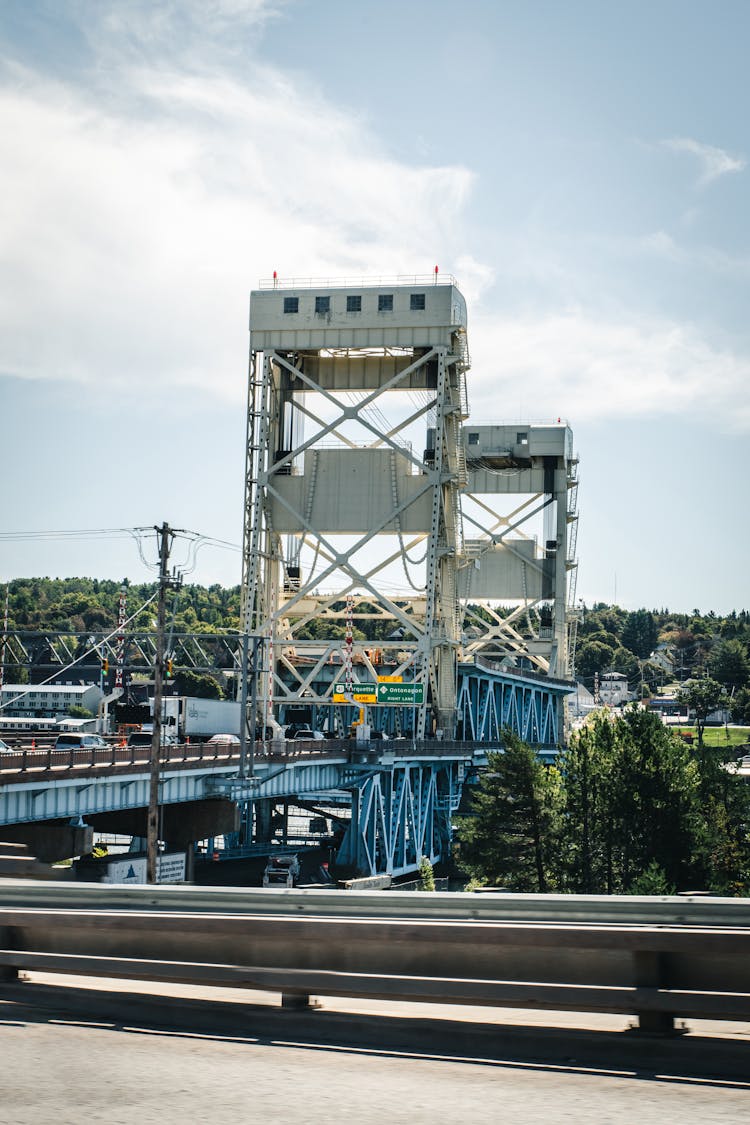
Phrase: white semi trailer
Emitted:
{"points": [[190, 717]]}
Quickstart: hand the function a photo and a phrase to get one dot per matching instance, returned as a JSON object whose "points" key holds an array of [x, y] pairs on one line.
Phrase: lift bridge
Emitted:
{"points": [[409, 571], [408, 574]]}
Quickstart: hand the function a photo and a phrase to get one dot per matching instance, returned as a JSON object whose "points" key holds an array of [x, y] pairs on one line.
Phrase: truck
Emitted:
{"points": [[189, 717], [281, 871]]}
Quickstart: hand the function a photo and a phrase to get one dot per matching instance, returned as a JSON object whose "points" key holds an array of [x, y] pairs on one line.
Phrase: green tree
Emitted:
{"points": [[632, 800], [729, 664], [426, 875], [77, 712], [653, 881], [740, 706], [593, 657], [703, 697], [512, 835], [198, 686], [640, 633]]}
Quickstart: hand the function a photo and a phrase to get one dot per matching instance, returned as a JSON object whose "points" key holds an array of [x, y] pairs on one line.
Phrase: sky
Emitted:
{"points": [[581, 168]]}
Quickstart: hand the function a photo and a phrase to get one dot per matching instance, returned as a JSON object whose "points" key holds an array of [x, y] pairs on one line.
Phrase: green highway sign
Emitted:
{"points": [[408, 695], [363, 693]]}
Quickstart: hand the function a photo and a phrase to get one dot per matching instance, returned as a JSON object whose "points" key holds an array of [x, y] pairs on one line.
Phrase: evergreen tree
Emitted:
{"points": [[632, 801], [512, 836], [729, 664], [640, 634]]}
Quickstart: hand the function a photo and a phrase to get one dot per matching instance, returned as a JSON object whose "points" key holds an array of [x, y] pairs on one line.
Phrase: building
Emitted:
{"points": [[581, 703], [47, 701], [613, 689]]}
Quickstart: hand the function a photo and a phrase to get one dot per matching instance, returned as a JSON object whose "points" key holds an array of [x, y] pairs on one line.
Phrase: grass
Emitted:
{"points": [[717, 736]]}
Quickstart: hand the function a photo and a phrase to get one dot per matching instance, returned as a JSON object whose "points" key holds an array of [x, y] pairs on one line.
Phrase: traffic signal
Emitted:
{"points": [[105, 665], [169, 668]]}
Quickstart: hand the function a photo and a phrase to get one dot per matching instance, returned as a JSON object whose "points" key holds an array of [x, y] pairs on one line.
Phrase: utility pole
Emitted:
{"points": [[5, 637], [165, 535]]}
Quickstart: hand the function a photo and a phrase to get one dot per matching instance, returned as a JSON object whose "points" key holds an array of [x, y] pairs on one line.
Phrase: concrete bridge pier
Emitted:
{"points": [[264, 809], [180, 825], [51, 840]]}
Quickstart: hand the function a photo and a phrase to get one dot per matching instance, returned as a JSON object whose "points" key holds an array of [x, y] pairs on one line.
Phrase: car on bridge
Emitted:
{"points": [[80, 742], [145, 738], [224, 741], [5, 748]]}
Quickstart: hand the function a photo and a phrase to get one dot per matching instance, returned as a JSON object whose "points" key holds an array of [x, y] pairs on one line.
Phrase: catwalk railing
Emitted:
{"points": [[657, 959]]}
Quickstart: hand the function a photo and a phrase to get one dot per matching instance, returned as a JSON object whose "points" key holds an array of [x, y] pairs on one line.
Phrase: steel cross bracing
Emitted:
{"points": [[400, 815], [529, 706], [340, 394], [49, 650]]}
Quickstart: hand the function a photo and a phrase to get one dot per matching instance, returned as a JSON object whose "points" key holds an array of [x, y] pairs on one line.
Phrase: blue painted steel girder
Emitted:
{"points": [[530, 706], [401, 813]]}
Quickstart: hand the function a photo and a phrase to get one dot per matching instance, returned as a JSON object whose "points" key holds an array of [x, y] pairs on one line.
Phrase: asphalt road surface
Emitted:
{"points": [[102, 1051]]}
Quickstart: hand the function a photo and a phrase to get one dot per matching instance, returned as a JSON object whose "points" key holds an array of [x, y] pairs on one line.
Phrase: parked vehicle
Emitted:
{"points": [[80, 742], [225, 741], [190, 717], [145, 738], [281, 871]]}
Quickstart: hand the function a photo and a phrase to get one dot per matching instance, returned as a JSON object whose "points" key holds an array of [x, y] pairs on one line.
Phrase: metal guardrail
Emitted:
{"points": [[520, 951], [115, 758]]}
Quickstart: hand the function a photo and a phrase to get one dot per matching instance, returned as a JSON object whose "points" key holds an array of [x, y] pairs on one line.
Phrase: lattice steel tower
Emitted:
{"points": [[357, 460], [344, 379]]}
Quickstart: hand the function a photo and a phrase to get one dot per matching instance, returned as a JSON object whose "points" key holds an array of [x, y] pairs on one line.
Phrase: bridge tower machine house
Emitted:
{"points": [[370, 505]]}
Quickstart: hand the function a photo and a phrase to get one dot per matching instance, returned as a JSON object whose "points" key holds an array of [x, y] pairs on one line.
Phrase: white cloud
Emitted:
{"points": [[715, 162], [581, 366], [136, 221]]}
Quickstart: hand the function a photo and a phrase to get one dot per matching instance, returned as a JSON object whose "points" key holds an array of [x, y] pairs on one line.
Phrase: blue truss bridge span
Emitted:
{"points": [[397, 798]]}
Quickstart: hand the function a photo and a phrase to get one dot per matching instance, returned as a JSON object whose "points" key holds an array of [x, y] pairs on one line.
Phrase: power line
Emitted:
{"points": [[94, 648], [111, 533]]}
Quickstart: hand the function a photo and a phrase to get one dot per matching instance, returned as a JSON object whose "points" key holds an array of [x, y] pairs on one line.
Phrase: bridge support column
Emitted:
{"points": [[263, 817]]}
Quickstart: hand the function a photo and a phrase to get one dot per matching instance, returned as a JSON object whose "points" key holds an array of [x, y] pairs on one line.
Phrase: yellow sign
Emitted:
{"points": [[390, 679]]}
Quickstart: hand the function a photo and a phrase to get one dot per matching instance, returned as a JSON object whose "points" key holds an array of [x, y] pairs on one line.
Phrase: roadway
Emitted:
{"points": [[117, 1053]]}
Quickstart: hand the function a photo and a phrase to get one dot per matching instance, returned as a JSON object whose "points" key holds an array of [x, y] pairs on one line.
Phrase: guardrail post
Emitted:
{"points": [[649, 973], [7, 972], [295, 1000]]}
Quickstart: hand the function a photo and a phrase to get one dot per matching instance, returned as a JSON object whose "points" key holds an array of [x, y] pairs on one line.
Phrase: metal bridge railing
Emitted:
{"points": [[196, 755]]}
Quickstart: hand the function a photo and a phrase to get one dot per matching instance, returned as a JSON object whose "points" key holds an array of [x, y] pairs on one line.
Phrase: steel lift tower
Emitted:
{"points": [[355, 463], [517, 577]]}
